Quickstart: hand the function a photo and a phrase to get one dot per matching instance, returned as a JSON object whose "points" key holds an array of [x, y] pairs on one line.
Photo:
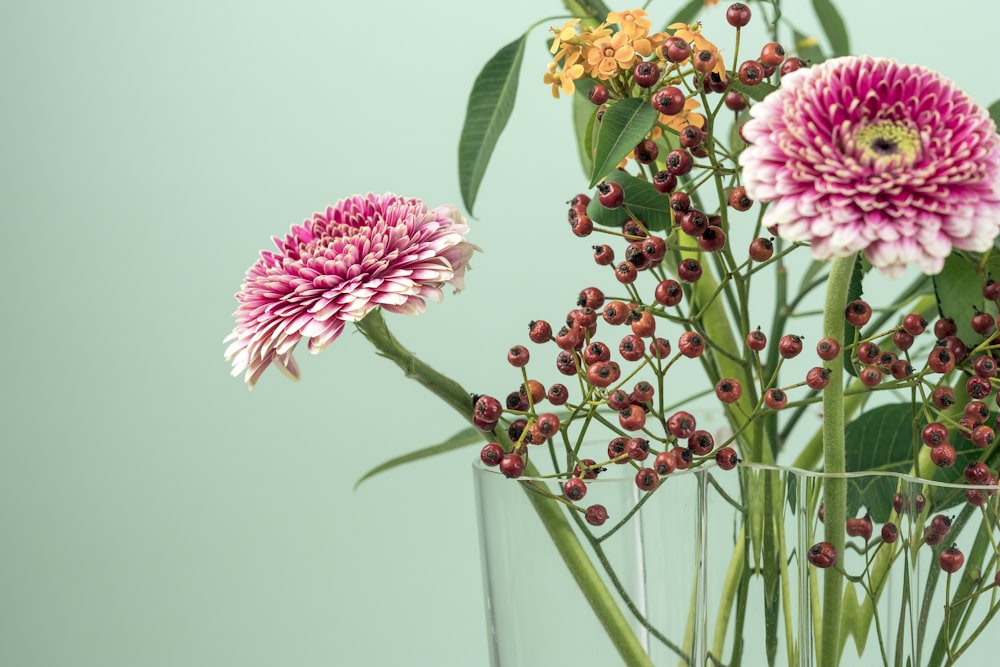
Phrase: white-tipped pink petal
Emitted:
{"points": [[363, 253], [862, 153]]}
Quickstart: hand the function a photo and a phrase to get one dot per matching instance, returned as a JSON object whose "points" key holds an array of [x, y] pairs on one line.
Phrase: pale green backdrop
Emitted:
{"points": [[152, 511]]}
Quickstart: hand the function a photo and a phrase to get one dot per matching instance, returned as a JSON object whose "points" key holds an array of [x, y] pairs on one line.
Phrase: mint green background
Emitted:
{"points": [[152, 511]]}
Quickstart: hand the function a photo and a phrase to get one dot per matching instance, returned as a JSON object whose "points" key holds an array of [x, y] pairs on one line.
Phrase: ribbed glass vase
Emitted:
{"points": [[712, 568]]}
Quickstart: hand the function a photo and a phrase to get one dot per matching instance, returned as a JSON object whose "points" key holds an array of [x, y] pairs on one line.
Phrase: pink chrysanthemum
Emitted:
{"points": [[366, 252], [861, 153]]}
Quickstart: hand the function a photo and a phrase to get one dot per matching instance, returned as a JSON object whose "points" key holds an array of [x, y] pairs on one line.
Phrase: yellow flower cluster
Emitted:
{"points": [[603, 53]]}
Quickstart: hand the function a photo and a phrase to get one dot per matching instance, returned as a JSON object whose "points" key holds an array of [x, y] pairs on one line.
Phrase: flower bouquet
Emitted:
{"points": [[799, 261]]}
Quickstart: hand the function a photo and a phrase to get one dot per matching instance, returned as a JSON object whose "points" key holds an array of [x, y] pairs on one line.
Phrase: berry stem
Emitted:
{"points": [[834, 487], [552, 515]]}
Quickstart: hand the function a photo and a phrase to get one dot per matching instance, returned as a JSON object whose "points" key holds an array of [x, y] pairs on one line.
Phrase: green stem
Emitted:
{"points": [[574, 555], [834, 488]]}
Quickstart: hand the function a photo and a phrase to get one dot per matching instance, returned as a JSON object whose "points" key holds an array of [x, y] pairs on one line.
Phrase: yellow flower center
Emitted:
{"points": [[886, 143]]}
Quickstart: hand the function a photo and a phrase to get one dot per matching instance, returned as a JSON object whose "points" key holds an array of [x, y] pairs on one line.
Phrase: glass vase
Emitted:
{"points": [[713, 568]]}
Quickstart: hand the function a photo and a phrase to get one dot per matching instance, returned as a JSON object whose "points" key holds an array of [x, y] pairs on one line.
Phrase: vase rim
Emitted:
{"points": [[480, 467]]}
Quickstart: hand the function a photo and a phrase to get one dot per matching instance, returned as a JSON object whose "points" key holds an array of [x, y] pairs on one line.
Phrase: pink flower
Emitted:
{"points": [[364, 253], [865, 154]]}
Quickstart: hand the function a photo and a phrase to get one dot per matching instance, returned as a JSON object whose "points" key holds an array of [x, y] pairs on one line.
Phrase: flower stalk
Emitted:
{"points": [[551, 514], [834, 460]]}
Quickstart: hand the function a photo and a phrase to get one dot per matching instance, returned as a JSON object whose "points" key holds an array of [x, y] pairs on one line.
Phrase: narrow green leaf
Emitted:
{"points": [[587, 9], [624, 124], [688, 12], [995, 113], [490, 105], [881, 439], [833, 26], [641, 200], [467, 436], [584, 113], [813, 53]]}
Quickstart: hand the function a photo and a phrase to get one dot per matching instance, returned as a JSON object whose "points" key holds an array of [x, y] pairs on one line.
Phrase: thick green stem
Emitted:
{"points": [[551, 513], [834, 488]]}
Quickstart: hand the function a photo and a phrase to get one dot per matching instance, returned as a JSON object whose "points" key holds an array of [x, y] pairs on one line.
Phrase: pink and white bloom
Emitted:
{"points": [[367, 252], [866, 154]]}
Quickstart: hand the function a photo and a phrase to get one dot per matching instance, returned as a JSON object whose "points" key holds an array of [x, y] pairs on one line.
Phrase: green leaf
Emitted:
{"points": [[490, 105], [625, 124], [641, 200], [833, 26], [467, 436], [688, 12], [584, 114], [757, 92], [881, 439], [587, 9], [954, 298], [995, 113], [813, 54]]}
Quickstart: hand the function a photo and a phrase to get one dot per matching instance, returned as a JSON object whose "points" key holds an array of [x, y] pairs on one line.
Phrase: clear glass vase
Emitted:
{"points": [[712, 568]]}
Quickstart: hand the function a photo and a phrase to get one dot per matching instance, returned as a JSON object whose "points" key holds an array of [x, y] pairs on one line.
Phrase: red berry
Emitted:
{"points": [[575, 488], [750, 73], [870, 376], [643, 323], [610, 194], [736, 101], [487, 408], [890, 533], [991, 290], [985, 366], [860, 527], [665, 463], [822, 554], [943, 398], [596, 351], [940, 524], [789, 346], [818, 378], [858, 313], [643, 391], [756, 340], [659, 348], [681, 425], [828, 349], [539, 331], [951, 559], [902, 340], [914, 324], [689, 270], [557, 394], [598, 94], [978, 387], [982, 436], [664, 181], [712, 239], [934, 434], [491, 454], [617, 450], [680, 202], [944, 327], [548, 424], [761, 249], [867, 352], [943, 456], [691, 136], [675, 49], [982, 323], [941, 360], [738, 15], [728, 390], [704, 61], [693, 222], [646, 73], [637, 449], [596, 515], [669, 100], [518, 356], [668, 293], [772, 54], [679, 162], [615, 312], [775, 398], [726, 458], [791, 65], [654, 249], [632, 418], [690, 344], [646, 151], [701, 443], [647, 479], [977, 472], [512, 465], [626, 272], [631, 347]]}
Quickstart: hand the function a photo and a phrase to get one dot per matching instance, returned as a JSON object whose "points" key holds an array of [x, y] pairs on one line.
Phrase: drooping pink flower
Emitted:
{"points": [[364, 253], [866, 154]]}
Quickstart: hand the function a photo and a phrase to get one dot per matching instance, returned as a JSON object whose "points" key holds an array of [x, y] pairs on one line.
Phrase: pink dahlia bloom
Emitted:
{"points": [[865, 154], [366, 252]]}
